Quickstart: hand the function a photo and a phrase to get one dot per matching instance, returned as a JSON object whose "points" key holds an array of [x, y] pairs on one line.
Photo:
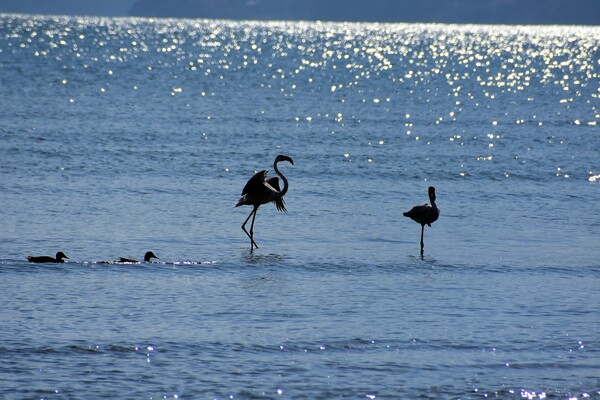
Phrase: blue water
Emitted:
{"points": [[120, 136]]}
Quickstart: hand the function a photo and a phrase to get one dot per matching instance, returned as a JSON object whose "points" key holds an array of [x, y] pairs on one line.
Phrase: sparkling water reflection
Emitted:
{"points": [[123, 135]]}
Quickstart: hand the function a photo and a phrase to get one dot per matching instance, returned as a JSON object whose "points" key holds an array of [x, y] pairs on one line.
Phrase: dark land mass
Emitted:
{"points": [[570, 12]]}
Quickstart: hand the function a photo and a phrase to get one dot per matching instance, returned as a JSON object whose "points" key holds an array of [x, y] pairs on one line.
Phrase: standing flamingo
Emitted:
{"points": [[262, 190], [424, 214]]}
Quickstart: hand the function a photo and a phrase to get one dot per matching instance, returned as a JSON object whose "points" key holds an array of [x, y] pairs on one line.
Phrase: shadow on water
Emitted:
{"points": [[422, 259], [262, 259]]}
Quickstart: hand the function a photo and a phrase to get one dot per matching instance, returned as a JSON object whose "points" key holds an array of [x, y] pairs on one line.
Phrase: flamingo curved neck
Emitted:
{"points": [[434, 208], [432, 200], [283, 178]]}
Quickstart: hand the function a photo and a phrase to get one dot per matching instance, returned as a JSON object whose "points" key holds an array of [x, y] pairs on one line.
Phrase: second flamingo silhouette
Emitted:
{"points": [[424, 214], [262, 190]]}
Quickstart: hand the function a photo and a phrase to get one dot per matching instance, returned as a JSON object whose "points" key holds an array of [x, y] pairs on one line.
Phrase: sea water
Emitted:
{"points": [[121, 136]]}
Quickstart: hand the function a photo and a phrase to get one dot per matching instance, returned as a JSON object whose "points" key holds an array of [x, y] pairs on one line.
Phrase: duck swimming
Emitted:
{"points": [[149, 255], [47, 259]]}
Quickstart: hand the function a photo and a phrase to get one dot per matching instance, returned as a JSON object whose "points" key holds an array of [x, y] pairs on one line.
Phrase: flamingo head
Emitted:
{"points": [[281, 157], [431, 193]]}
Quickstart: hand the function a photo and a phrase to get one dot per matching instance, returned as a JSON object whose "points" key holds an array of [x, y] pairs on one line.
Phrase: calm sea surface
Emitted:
{"points": [[119, 136]]}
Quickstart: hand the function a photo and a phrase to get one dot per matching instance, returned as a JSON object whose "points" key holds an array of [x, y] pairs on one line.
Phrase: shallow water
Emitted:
{"points": [[121, 136]]}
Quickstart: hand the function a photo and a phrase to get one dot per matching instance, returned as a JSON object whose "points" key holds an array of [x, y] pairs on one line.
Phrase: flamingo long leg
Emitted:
{"points": [[252, 213], [252, 231], [422, 245]]}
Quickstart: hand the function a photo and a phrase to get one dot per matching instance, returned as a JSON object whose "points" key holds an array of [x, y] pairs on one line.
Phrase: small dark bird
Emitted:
{"points": [[47, 259], [149, 255], [424, 214], [262, 190]]}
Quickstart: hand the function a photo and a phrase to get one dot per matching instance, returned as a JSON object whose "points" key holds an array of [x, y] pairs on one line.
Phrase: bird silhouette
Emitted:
{"points": [[262, 190], [149, 255], [47, 259], [424, 214]]}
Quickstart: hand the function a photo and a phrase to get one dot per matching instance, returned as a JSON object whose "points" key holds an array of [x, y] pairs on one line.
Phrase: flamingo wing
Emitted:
{"points": [[256, 183], [423, 214], [274, 183], [419, 213]]}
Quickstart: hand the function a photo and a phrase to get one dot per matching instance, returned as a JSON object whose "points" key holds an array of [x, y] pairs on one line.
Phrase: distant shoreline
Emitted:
{"points": [[128, 17], [479, 12], [531, 12]]}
